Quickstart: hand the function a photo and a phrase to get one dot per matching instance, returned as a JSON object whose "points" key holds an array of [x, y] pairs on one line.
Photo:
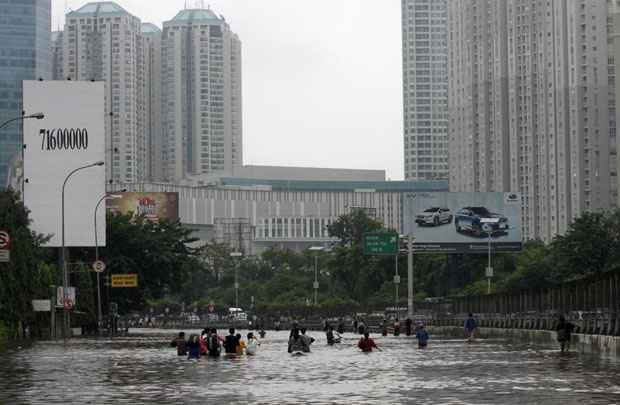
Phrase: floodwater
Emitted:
{"points": [[144, 369]]}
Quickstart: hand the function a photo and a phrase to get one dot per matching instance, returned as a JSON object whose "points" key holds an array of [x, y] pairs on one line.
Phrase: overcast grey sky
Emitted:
{"points": [[321, 78]]}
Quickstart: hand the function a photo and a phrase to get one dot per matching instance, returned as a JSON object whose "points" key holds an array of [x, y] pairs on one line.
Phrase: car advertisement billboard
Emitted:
{"points": [[69, 139], [152, 206], [464, 222]]}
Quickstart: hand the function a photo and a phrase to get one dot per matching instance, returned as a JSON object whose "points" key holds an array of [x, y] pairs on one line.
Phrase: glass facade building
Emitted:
{"points": [[25, 30]]}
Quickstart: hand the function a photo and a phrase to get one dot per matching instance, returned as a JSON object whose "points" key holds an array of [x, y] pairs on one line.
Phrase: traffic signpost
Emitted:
{"points": [[5, 247], [381, 243], [65, 298], [99, 266]]}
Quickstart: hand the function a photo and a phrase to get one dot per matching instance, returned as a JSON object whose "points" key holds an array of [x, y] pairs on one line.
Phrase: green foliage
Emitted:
{"points": [[26, 276], [159, 252], [350, 228]]}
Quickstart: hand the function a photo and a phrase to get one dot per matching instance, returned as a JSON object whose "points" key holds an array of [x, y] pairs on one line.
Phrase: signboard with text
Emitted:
{"points": [[463, 222], [152, 206], [124, 280], [70, 136], [381, 243]]}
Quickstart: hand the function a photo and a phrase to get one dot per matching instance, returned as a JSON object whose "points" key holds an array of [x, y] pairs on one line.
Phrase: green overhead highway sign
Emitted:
{"points": [[381, 243]]}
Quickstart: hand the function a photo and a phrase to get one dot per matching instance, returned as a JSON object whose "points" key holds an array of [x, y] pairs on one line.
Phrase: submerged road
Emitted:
{"points": [[144, 369]]}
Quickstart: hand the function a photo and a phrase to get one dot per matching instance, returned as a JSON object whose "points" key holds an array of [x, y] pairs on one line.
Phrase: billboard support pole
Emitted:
{"points": [[489, 267], [410, 275]]}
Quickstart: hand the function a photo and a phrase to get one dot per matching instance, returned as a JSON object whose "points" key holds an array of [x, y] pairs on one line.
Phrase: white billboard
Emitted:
{"points": [[69, 137]]}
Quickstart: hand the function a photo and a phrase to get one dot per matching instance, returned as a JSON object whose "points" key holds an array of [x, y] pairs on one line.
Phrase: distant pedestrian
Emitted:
{"points": [[341, 326], [361, 327], [214, 344], [204, 336], [193, 346], [252, 345], [366, 343], [384, 327], [329, 335], [230, 342], [396, 327], [408, 325], [470, 327], [564, 330], [422, 336], [180, 343], [296, 344], [240, 344], [307, 339]]}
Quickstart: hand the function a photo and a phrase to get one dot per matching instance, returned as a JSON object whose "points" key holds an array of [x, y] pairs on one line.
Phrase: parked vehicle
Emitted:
{"points": [[434, 216], [237, 314], [472, 220]]}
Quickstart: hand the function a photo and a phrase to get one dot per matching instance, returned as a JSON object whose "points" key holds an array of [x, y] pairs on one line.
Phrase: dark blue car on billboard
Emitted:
{"points": [[479, 221]]}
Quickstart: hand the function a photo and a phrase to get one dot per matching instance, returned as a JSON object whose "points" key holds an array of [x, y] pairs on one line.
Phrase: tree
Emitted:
{"points": [[350, 228], [26, 276], [159, 252]]}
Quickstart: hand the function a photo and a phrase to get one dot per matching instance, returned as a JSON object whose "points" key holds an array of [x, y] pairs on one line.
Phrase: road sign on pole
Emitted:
{"points": [[65, 297], [99, 266], [381, 243], [5, 247]]}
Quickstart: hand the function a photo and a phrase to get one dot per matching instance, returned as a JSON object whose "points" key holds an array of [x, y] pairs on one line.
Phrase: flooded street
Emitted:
{"points": [[144, 369]]}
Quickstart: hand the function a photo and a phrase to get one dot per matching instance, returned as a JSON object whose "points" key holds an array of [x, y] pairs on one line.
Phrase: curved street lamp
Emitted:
{"points": [[111, 194], [38, 116], [65, 274], [315, 285]]}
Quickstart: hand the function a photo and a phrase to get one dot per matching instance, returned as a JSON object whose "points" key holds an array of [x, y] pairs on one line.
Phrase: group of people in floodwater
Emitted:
{"points": [[209, 343]]}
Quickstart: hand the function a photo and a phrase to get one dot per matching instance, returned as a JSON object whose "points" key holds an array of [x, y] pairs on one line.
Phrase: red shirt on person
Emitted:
{"points": [[366, 344]]}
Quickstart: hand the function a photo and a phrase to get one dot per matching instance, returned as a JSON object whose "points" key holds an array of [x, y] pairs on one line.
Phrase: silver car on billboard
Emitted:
{"points": [[434, 216]]}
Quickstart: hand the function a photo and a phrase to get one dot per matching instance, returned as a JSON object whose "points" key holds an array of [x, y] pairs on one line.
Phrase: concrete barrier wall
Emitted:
{"points": [[606, 346]]}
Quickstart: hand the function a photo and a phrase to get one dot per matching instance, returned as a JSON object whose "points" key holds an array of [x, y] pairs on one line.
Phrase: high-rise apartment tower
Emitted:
{"points": [[201, 76], [102, 41], [529, 106], [425, 88], [150, 146]]}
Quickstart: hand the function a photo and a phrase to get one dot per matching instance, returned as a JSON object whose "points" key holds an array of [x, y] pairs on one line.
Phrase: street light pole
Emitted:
{"points": [[396, 282], [65, 273], [488, 228], [38, 116], [236, 254], [410, 240], [99, 312], [315, 285]]}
